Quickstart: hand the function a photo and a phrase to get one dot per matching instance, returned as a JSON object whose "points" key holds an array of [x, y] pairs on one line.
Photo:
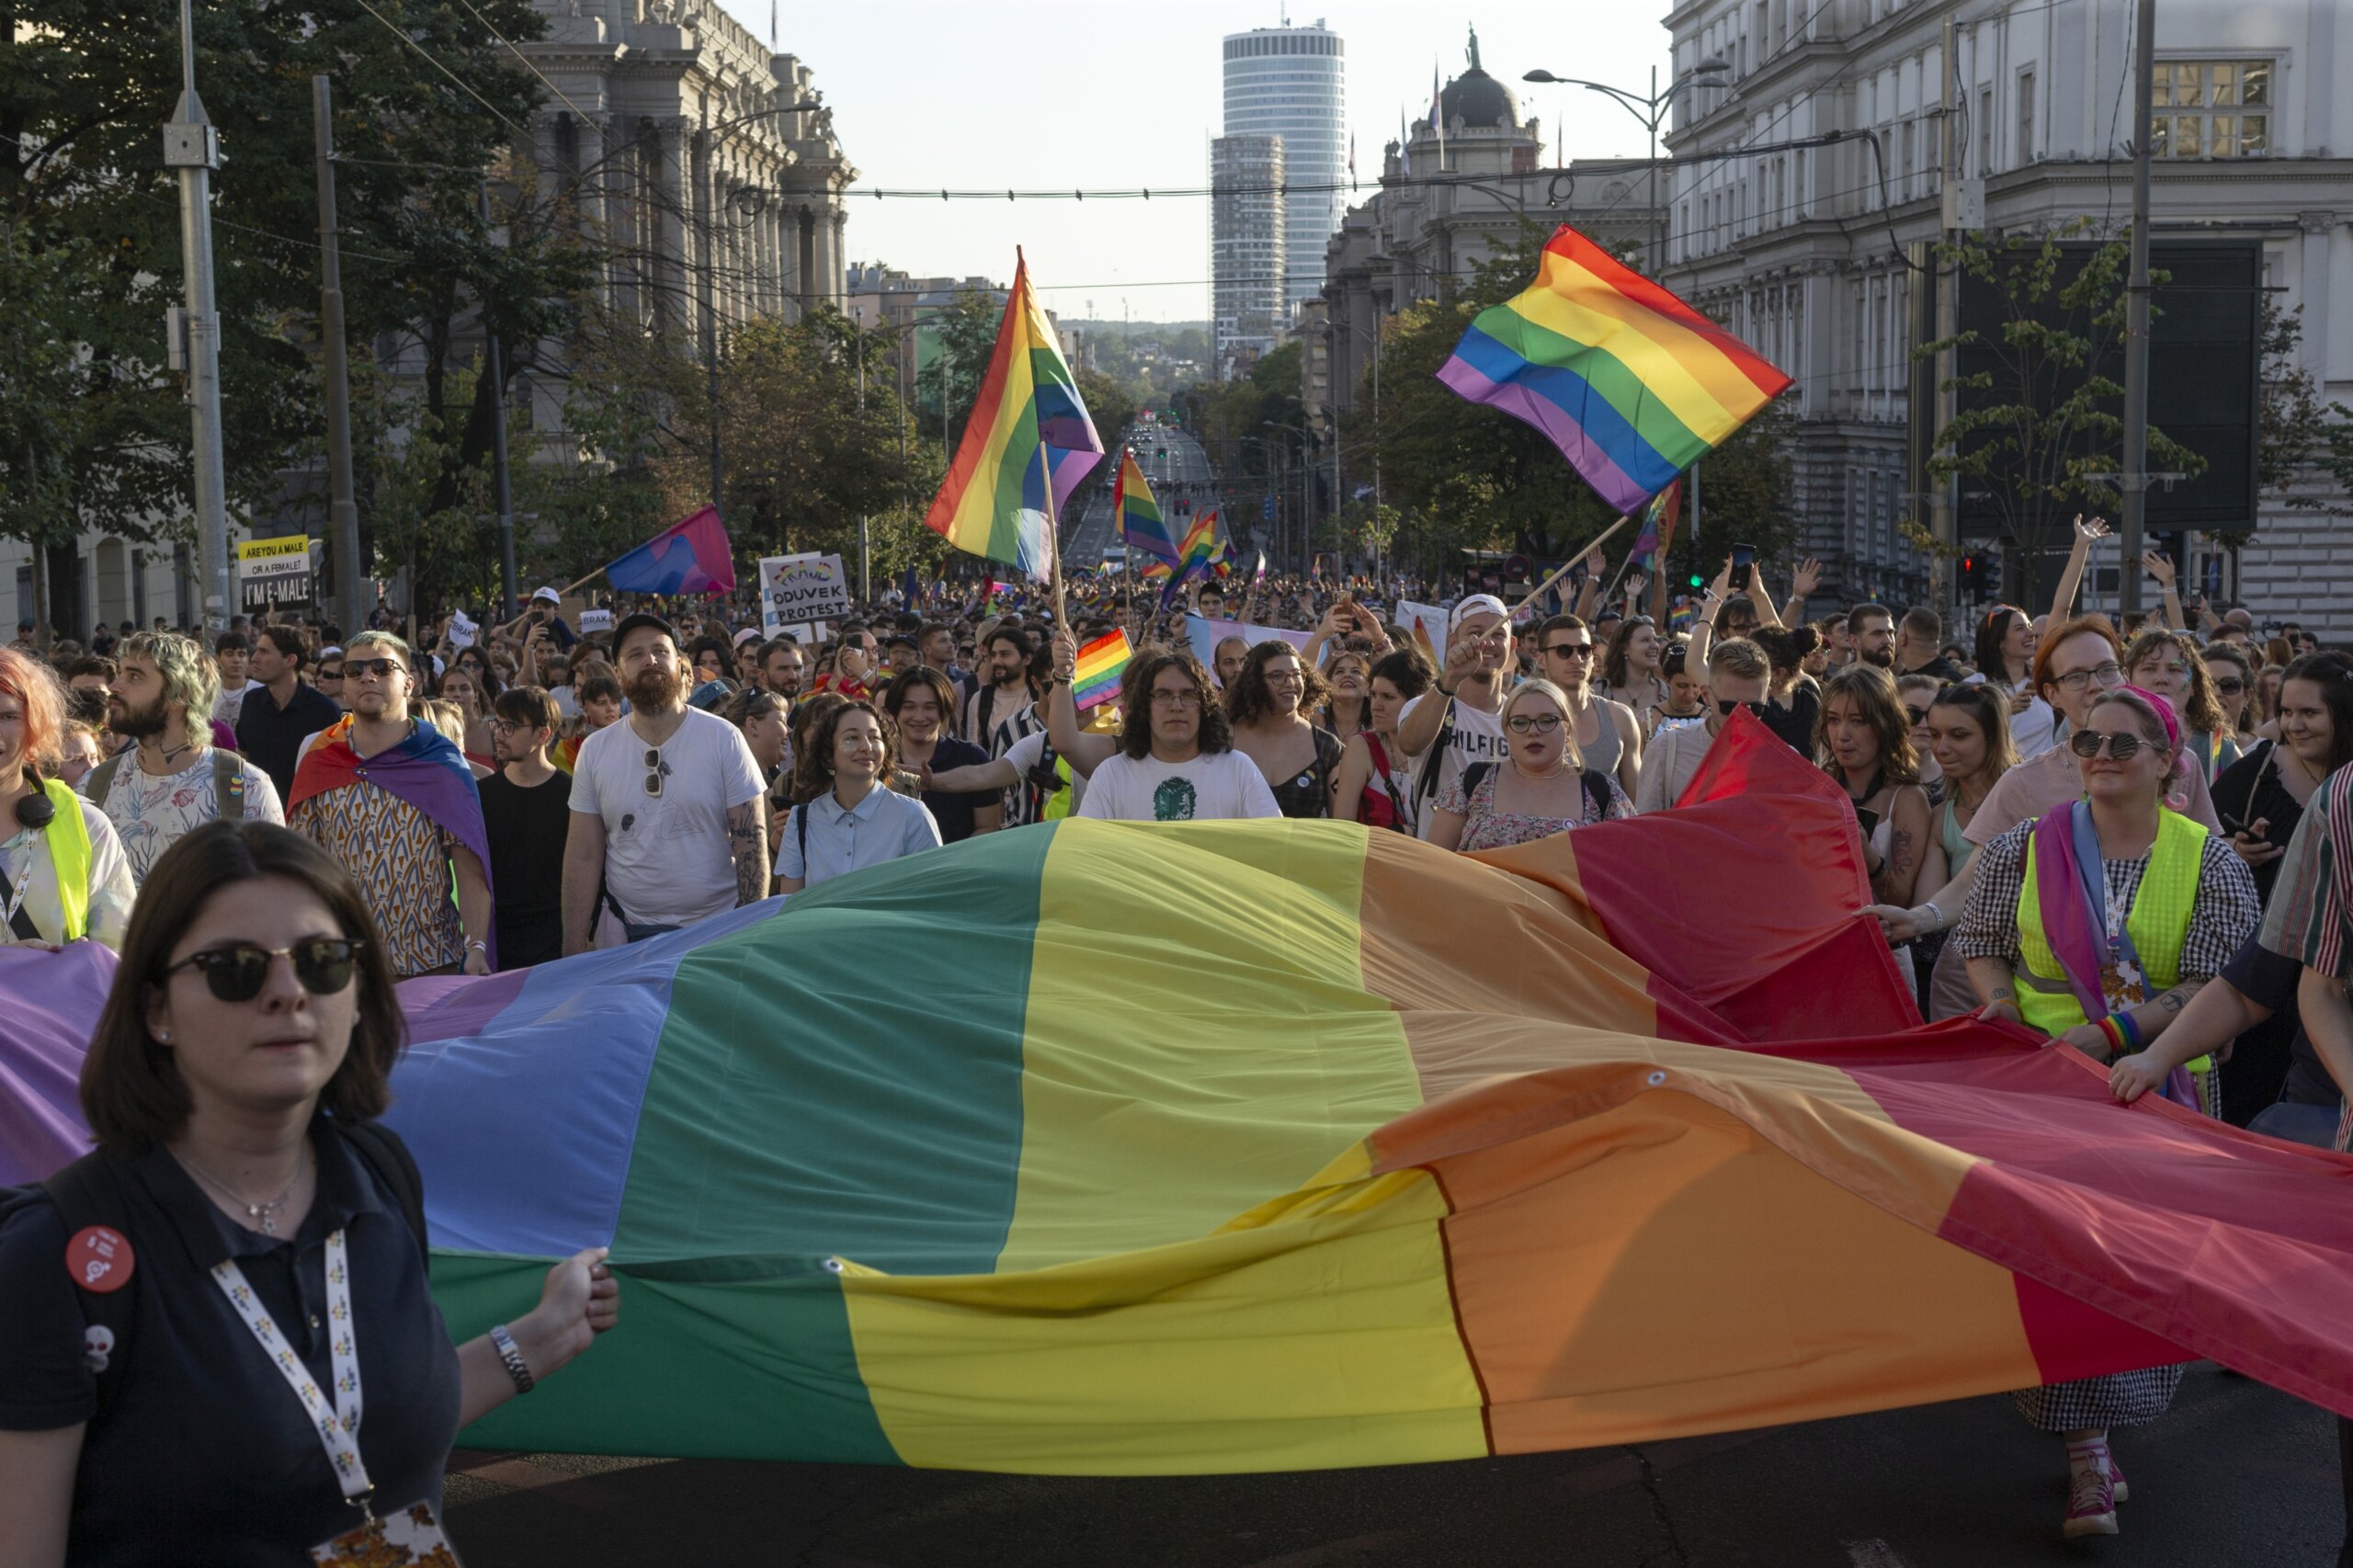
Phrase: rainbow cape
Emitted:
{"points": [[1028, 424], [1631, 384], [1284, 1144], [1141, 523], [1101, 664]]}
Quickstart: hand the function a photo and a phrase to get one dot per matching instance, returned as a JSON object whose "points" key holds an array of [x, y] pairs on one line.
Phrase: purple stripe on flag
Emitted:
{"points": [[53, 1003], [1615, 486]]}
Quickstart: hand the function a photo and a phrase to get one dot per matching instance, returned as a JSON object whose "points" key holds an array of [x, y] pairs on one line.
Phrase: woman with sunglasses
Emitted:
{"points": [[1969, 733], [1541, 787], [233, 1086], [2232, 669], [2087, 925]]}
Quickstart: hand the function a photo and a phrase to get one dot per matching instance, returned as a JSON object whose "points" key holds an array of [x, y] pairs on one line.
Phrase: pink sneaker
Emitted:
{"points": [[2116, 1486], [2091, 1491]]}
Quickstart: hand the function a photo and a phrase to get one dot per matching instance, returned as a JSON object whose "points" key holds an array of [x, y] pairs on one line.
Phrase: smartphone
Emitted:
{"points": [[2232, 827], [1743, 556]]}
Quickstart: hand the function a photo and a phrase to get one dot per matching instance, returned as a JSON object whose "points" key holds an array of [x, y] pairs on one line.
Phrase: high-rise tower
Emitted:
{"points": [[1293, 83]]}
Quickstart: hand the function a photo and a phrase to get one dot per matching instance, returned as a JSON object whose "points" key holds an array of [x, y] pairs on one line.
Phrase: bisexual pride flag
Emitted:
{"points": [[1244, 1149], [690, 556], [1631, 384]]}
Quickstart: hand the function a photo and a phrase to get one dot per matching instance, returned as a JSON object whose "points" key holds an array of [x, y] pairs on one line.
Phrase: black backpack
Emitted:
{"points": [[89, 1192]]}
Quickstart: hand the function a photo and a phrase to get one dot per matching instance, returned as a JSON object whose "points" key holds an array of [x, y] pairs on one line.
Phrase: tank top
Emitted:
{"points": [[1602, 754], [1958, 849], [1309, 795]]}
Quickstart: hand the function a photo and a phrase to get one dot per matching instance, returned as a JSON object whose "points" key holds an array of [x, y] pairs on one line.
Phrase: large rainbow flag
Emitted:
{"points": [[1630, 382], [1141, 523], [1028, 428], [1285, 1145]]}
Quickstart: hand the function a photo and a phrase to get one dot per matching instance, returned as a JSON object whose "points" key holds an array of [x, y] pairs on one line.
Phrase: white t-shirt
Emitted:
{"points": [[231, 703], [1478, 737], [567, 705], [1212, 786], [666, 858], [1029, 750], [150, 814]]}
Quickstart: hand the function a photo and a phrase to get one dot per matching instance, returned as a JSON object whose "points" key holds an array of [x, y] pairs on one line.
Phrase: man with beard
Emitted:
{"points": [[1004, 710], [1870, 634], [175, 779], [284, 711], [669, 826], [525, 808], [392, 798], [782, 668]]}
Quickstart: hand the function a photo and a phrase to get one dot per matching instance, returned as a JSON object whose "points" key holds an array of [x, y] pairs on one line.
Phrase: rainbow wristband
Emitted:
{"points": [[2115, 1036], [2129, 1029]]}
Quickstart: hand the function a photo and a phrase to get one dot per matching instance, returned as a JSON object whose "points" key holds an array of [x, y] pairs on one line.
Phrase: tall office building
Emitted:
{"points": [[1247, 247], [1293, 83]]}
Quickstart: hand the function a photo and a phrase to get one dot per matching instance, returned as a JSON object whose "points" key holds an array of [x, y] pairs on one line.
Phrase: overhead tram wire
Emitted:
{"points": [[435, 61], [528, 64]]}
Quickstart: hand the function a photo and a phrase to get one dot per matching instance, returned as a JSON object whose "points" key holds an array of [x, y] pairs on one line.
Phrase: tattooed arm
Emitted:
{"points": [[1907, 837], [747, 843]]}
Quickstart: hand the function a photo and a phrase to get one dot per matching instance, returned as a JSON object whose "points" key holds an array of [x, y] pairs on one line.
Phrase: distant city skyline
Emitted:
{"points": [[1046, 93]]}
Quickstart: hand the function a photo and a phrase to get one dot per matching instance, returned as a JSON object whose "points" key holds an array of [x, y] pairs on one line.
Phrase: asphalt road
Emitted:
{"points": [[1183, 473], [2235, 1474]]}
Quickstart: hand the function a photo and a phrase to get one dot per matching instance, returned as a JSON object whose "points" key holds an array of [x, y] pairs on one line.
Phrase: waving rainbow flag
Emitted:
{"points": [[1101, 664], [1630, 382], [1028, 420], [1141, 523], [1274, 1145]]}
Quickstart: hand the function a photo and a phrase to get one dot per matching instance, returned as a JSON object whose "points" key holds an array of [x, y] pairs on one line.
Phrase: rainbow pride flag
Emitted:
{"points": [[1658, 525], [1101, 663], [1630, 382], [1276, 1145], [1028, 443], [1141, 523]]}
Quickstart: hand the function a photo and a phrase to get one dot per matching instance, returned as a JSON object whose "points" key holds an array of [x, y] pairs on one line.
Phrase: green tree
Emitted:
{"points": [[2048, 418], [966, 329]]}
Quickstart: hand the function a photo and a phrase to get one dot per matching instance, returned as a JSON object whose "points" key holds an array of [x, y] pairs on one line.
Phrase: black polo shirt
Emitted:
{"points": [[207, 1455], [273, 736]]}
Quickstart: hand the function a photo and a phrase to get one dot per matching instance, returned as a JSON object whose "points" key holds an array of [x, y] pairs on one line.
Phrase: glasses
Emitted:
{"points": [[509, 727], [236, 974], [360, 669], [1919, 715], [1727, 707], [2109, 674], [1571, 650], [2229, 686], [330, 675], [653, 772], [1538, 723], [2087, 744], [1175, 700]]}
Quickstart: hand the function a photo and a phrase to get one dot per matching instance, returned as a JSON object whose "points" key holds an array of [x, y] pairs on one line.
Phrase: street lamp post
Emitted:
{"points": [[1652, 111]]}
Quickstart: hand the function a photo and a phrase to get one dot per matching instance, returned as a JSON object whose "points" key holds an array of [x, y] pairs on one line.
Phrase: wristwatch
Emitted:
{"points": [[512, 1355]]}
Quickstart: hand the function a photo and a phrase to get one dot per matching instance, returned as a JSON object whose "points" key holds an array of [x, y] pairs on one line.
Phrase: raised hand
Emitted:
{"points": [[2091, 532], [2158, 566], [1806, 578]]}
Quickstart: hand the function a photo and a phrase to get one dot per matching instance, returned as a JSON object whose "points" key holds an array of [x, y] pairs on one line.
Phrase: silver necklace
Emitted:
{"points": [[264, 1214]]}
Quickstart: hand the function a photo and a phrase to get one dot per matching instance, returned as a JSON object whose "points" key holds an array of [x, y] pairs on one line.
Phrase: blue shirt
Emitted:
{"points": [[880, 827]]}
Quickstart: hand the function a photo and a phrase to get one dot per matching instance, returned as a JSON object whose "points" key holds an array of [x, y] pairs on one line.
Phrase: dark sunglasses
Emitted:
{"points": [[384, 667], [2230, 687], [330, 675], [1727, 707], [2087, 744], [1919, 715], [1572, 650], [236, 974]]}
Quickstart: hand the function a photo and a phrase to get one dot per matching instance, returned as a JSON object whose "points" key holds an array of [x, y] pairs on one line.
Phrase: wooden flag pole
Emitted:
{"points": [[1531, 596], [1053, 546]]}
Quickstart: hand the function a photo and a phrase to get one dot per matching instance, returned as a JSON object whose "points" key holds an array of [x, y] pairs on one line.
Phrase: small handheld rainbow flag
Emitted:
{"points": [[1142, 526], [1101, 663], [1631, 385]]}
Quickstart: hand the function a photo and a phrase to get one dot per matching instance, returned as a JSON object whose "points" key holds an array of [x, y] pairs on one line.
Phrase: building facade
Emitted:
{"points": [[1812, 254], [1455, 193], [1249, 237], [1293, 83]]}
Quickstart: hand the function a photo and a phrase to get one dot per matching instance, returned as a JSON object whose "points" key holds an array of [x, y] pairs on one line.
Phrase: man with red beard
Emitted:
{"points": [[667, 823]]}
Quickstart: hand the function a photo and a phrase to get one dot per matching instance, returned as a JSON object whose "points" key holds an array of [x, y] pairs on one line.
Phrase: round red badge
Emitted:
{"points": [[100, 1260]]}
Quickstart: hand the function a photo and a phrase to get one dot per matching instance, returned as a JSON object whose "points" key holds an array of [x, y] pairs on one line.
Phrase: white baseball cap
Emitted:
{"points": [[548, 594], [1477, 604]]}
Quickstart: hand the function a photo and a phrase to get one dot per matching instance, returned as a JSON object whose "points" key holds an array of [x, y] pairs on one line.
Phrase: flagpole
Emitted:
{"points": [[1053, 544], [1531, 596]]}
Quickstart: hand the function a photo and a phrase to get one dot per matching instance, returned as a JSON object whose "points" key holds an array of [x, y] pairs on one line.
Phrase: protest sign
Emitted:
{"points": [[796, 589], [593, 621], [272, 571]]}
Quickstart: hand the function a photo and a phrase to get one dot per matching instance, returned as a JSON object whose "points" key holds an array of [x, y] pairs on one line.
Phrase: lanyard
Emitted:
{"points": [[338, 1430]]}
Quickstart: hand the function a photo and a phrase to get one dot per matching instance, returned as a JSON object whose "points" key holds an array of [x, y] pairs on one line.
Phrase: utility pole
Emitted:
{"points": [[706, 197], [493, 365], [2136, 322], [192, 146], [343, 511], [1944, 585], [865, 539]]}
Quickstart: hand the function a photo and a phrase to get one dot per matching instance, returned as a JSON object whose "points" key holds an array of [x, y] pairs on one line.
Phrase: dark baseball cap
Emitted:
{"points": [[642, 618]]}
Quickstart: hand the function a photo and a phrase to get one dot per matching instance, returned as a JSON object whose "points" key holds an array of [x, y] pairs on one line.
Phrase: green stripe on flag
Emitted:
{"points": [[1617, 383]]}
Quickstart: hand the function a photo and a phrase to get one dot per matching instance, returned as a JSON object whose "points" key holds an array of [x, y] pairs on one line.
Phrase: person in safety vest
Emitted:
{"points": [[65, 872], [2089, 925]]}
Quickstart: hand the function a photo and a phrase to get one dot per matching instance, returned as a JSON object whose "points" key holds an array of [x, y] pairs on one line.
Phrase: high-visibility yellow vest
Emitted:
{"points": [[1058, 804], [68, 838], [2158, 923]]}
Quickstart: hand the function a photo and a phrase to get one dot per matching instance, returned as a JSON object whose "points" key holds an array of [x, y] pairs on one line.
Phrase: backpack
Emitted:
{"points": [[89, 1192], [228, 782], [1597, 786]]}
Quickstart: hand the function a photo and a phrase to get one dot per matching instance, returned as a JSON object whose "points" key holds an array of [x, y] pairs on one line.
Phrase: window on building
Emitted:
{"points": [[1984, 133], [2026, 117], [2212, 108], [1911, 151]]}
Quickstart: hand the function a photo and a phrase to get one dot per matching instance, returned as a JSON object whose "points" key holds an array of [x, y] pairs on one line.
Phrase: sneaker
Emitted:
{"points": [[2116, 1486], [2091, 1494]]}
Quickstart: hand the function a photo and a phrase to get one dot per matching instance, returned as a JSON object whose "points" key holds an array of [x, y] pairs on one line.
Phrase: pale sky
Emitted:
{"points": [[1081, 93]]}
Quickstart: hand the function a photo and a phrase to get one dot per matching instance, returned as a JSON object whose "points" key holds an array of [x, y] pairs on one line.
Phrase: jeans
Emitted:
{"points": [[2311, 1124]]}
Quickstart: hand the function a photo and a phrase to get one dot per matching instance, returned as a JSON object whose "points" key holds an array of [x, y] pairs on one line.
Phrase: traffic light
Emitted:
{"points": [[1697, 581], [1968, 588]]}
